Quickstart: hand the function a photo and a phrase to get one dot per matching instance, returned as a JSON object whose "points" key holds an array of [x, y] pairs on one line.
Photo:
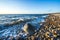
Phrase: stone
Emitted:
{"points": [[29, 28]]}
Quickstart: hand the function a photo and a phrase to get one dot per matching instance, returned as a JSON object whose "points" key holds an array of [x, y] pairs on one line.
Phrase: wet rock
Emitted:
{"points": [[11, 38], [29, 28], [18, 38]]}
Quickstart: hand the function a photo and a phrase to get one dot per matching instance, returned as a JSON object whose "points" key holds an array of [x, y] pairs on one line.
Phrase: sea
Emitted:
{"points": [[9, 27]]}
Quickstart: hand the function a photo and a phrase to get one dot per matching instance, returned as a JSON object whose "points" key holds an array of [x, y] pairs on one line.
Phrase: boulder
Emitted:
{"points": [[29, 28]]}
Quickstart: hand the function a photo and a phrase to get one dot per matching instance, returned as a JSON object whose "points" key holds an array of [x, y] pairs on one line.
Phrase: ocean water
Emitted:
{"points": [[9, 27]]}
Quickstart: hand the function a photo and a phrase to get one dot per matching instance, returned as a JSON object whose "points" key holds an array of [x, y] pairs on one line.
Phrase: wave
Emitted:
{"points": [[21, 20]]}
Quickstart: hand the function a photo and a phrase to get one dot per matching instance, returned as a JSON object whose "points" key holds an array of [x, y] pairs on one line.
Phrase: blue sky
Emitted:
{"points": [[29, 6]]}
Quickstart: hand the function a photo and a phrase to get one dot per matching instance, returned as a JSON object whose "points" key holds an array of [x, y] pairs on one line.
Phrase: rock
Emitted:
{"points": [[18, 38], [11, 38], [29, 28]]}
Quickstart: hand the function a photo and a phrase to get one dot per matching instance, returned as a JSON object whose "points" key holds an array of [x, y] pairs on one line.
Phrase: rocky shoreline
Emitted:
{"points": [[49, 30]]}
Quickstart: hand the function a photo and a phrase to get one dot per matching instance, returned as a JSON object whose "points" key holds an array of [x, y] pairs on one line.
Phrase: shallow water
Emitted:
{"points": [[16, 29]]}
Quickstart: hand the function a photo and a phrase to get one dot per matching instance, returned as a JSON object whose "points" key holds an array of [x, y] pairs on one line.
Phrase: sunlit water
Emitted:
{"points": [[16, 29]]}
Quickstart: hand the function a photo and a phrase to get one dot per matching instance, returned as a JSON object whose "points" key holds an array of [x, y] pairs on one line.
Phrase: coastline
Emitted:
{"points": [[50, 29]]}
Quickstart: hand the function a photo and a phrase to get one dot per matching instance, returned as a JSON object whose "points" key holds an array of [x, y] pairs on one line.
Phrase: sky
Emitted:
{"points": [[29, 6]]}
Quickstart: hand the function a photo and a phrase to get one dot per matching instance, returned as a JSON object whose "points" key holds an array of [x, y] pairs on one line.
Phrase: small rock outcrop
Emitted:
{"points": [[29, 28]]}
